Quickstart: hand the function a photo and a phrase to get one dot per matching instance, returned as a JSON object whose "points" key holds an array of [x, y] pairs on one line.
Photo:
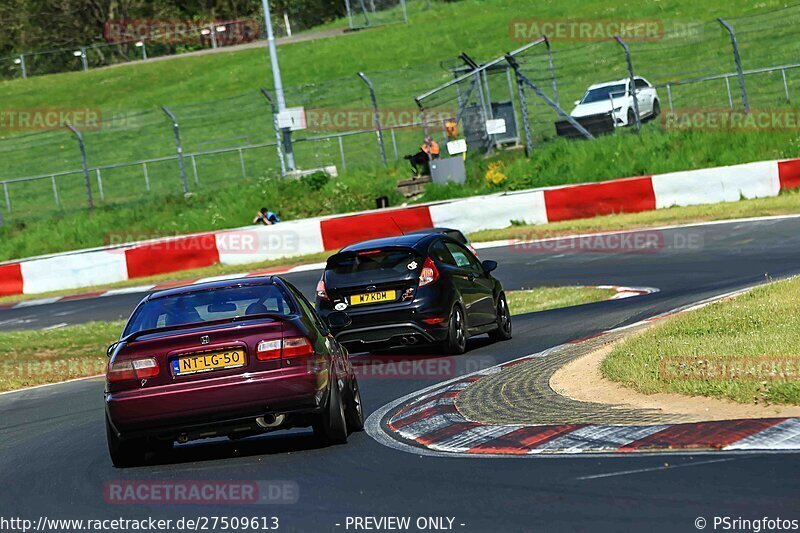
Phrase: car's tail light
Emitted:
{"points": [[322, 293], [269, 350], [296, 347], [429, 273], [288, 347], [135, 369]]}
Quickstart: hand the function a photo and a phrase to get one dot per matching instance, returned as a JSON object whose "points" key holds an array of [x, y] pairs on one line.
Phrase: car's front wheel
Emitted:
{"points": [[331, 426], [456, 342], [503, 331], [631, 117], [656, 109], [124, 453]]}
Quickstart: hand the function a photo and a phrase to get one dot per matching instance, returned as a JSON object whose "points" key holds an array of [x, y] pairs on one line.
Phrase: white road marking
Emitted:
{"points": [[55, 326], [655, 469]]}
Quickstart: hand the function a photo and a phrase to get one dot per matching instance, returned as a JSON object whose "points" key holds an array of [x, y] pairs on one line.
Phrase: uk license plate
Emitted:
{"points": [[208, 362], [373, 297]]}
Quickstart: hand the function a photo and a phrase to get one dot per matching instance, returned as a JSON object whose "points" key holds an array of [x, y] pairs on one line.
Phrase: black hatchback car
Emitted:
{"points": [[414, 289]]}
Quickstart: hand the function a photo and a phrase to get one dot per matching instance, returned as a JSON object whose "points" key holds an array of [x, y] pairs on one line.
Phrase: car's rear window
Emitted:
{"points": [[374, 265], [209, 305]]}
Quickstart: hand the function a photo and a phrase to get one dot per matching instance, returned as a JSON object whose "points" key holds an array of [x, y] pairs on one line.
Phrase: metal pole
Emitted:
{"points": [[552, 70], [84, 62], [277, 130], [214, 36], [523, 105], [669, 98], [276, 78], [100, 185], [405, 12], [349, 14], [511, 98], [377, 116], [177, 132], [394, 143], [241, 162], [632, 82], [22, 65], [738, 61], [55, 190], [144, 50], [286, 23], [194, 169], [575, 124], [730, 95], [8, 197], [86, 179], [146, 177], [785, 85], [341, 153]]}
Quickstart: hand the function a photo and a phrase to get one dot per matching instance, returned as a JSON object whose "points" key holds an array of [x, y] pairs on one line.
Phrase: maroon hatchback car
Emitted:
{"points": [[231, 358]]}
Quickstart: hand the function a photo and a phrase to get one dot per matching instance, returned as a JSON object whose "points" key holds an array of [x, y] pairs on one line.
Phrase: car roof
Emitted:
{"points": [[617, 82], [410, 240], [212, 285]]}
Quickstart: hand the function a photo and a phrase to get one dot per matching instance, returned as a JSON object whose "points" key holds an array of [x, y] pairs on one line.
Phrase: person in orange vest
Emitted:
{"points": [[430, 147]]}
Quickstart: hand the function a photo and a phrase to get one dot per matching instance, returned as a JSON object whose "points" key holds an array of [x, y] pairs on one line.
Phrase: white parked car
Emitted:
{"points": [[616, 97]]}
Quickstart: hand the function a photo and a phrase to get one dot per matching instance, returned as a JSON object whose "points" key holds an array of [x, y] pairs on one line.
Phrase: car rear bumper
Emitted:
{"points": [[401, 334], [212, 405]]}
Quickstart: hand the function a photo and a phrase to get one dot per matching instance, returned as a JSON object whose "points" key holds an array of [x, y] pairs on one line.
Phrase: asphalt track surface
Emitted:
{"points": [[53, 458]]}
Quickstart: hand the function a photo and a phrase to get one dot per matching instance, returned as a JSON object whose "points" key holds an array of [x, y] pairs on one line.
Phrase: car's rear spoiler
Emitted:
{"points": [[143, 333]]}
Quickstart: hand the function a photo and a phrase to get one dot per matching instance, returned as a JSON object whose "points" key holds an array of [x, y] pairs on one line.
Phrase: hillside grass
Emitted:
{"points": [[746, 349]]}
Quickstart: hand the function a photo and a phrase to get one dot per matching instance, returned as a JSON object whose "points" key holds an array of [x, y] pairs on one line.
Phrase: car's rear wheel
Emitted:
{"points": [[503, 331], [631, 117], [331, 426], [124, 453], [354, 412], [456, 343], [656, 109]]}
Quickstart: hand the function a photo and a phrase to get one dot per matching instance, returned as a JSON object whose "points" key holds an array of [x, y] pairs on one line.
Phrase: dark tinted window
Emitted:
{"points": [[389, 263], [440, 253], [641, 84], [209, 305], [463, 257]]}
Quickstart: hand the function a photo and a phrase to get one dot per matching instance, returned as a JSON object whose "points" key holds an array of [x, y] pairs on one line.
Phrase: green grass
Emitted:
{"points": [[32, 358], [544, 298], [320, 75], [742, 333]]}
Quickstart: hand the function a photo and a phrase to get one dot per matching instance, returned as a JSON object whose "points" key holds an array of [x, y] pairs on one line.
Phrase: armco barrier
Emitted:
{"points": [[83, 268]]}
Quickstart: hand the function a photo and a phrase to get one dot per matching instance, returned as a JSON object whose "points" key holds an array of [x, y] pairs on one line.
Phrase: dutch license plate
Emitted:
{"points": [[373, 297], [208, 362]]}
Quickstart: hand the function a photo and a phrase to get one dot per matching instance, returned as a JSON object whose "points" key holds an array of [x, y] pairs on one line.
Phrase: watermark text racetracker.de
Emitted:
{"points": [[639, 242], [722, 119], [44, 524]]}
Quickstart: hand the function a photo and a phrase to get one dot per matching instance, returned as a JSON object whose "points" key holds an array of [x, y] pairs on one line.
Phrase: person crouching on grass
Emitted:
{"points": [[266, 217]]}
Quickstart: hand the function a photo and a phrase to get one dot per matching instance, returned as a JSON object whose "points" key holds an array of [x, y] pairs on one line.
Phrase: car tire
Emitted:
{"points": [[656, 109], [354, 412], [331, 426], [456, 342], [631, 117], [503, 331], [124, 453]]}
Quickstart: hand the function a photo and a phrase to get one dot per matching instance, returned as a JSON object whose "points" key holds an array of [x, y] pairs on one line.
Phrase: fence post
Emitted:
{"points": [[785, 85], [669, 98], [146, 177], [632, 82], [552, 67], [394, 144], [21, 62], [55, 190], [738, 61], [349, 13], [523, 106], [194, 169], [100, 185], [341, 153], [177, 132], [575, 124], [8, 197], [378, 130], [278, 138], [84, 61], [86, 179], [143, 45]]}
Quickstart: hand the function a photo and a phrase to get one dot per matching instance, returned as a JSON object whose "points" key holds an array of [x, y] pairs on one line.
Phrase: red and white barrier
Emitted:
{"points": [[252, 244]]}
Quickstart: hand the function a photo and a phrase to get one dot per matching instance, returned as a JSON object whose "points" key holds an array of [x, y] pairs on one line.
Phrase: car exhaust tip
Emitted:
{"points": [[270, 421], [183, 438]]}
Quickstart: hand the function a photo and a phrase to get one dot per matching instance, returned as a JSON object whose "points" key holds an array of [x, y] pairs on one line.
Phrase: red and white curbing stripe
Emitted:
{"points": [[429, 422], [113, 264]]}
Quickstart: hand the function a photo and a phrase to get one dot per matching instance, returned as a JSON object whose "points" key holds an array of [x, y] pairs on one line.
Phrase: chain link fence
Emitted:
{"points": [[366, 121]]}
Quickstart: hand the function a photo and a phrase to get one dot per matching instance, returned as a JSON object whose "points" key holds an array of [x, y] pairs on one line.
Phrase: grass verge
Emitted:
{"points": [[745, 349], [32, 358]]}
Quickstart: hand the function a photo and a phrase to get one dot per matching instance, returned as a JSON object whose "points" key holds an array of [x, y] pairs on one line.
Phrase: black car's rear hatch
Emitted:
{"points": [[373, 277]]}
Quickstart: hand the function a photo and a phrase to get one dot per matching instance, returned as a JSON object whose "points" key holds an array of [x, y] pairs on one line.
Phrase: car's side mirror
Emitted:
{"points": [[577, 102], [489, 266], [111, 349], [339, 320]]}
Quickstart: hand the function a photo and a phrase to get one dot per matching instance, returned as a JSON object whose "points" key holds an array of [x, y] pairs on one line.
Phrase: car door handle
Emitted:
{"points": [[472, 276]]}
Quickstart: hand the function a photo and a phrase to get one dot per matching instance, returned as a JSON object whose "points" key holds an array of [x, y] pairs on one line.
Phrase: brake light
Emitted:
{"points": [[288, 347], [429, 273], [135, 369], [322, 293], [297, 346], [269, 350]]}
